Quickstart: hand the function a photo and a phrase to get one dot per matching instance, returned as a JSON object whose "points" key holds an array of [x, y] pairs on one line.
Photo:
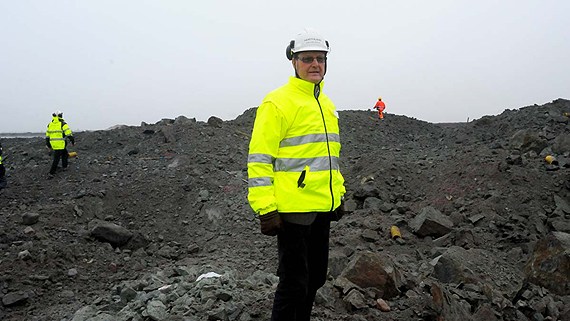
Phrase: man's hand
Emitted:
{"points": [[270, 223], [337, 214]]}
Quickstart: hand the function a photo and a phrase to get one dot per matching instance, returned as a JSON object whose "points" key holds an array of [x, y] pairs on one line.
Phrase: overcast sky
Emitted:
{"points": [[109, 62]]}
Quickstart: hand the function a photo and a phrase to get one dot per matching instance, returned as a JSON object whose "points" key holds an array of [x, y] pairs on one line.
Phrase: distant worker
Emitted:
{"points": [[380, 106], [2, 171], [57, 132]]}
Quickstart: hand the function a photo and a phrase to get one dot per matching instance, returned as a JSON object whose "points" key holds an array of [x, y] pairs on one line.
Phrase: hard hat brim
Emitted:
{"points": [[313, 48]]}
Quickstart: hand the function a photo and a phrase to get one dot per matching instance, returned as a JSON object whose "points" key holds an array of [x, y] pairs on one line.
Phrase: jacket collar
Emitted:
{"points": [[305, 86]]}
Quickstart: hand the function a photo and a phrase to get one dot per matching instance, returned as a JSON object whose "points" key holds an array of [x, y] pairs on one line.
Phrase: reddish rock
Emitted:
{"points": [[370, 270], [550, 263]]}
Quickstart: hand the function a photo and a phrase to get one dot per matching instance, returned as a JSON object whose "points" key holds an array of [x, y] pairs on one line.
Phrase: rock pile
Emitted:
{"points": [[151, 222]]}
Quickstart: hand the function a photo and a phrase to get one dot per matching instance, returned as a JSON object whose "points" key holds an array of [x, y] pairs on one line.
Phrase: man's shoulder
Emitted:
{"points": [[278, 95], [280, 89]]}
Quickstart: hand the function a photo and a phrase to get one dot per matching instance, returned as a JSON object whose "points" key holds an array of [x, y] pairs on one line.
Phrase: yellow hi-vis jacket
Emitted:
{"points": [[56, 133], [293, 161]]}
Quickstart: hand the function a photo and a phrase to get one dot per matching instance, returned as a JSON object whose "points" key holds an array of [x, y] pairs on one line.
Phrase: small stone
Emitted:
{"points": [[72, 272], [29, 230], [30, 218], [400, 241], [14, 298], [382, 305], [24, 255]]}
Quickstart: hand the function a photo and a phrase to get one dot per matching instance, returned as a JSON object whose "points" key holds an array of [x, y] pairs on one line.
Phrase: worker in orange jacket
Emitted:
{"points": [[380, 106]]}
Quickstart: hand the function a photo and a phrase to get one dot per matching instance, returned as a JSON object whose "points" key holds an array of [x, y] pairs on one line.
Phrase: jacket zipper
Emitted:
{"points": [[317, 92]]}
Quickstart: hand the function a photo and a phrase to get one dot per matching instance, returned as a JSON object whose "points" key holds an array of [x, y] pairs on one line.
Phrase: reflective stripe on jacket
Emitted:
{"points": [[55, 133], [293, 162]]}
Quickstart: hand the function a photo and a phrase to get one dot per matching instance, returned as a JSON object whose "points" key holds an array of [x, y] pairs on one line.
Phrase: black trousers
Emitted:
{"points": [[57, 155], [303, 262]]}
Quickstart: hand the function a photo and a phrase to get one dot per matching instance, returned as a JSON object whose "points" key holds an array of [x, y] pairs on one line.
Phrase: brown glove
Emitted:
{"points": [[270, 223]]}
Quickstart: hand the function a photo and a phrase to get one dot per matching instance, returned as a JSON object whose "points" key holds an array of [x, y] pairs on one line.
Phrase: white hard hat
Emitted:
{"points": [[307, 40], [58, 113]]}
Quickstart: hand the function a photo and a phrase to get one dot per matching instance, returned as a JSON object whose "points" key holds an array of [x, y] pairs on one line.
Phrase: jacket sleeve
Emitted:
{"points": [[66, 130], [263, 148]]}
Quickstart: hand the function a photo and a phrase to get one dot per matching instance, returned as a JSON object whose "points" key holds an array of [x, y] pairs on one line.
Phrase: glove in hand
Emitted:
{"points": [[270, 223]]}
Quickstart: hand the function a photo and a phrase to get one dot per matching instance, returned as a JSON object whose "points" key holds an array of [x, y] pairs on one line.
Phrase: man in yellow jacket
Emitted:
{"points": [[295, 185], [57, 132]]}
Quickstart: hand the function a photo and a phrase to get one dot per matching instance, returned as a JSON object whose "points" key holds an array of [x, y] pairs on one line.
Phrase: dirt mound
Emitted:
{"points": [[151, 222]]}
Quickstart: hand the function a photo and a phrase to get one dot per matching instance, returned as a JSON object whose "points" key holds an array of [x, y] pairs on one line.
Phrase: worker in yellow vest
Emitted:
{"points": [[57, 135], [294, 181]]}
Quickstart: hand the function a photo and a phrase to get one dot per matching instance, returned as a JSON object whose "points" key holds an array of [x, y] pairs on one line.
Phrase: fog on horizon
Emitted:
{"points": [[108, 63]]}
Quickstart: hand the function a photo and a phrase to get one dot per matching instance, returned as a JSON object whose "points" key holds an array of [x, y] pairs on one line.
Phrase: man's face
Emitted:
{"points": [[310, 65]]}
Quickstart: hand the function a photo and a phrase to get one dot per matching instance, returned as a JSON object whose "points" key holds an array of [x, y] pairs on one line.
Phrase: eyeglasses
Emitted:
{"points": [[308, 60]]}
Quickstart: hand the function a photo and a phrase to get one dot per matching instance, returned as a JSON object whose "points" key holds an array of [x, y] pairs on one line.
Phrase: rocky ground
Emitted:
{"points": [[151, 222]]}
